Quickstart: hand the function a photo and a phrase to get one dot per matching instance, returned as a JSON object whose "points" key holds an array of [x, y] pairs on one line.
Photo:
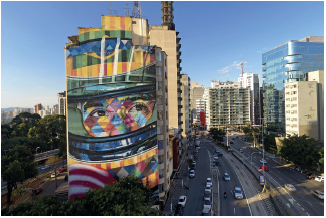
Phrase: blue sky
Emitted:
{"points": [[215, 38]]}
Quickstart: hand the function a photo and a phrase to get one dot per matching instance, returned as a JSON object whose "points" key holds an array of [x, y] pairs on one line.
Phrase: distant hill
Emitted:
{"points": [[12, 108]]}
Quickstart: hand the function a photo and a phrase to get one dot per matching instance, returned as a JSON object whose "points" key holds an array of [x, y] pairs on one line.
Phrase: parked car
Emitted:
{"points": [[220, 154], [192, 173], [318, 194], [207, 204], [238, 193], [264, 168], [192, 168], [178, 210], [262, 161], [319, 178], [206, 212], [215, 157], [60, 170], [208, 188], [217, 151], [182, 200], [209, 182], [52, 175], [311, 176], [290, 187], [36, 191], [195, 156], [240, 150], [207, 195], [226, 177]]}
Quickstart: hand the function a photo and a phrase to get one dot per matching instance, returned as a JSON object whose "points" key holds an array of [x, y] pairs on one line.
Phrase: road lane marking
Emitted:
{"points": [[234, 210], [309, 203]]}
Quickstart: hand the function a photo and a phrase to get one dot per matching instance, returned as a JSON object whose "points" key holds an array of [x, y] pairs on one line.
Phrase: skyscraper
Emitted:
{"points": [[288, 62]]}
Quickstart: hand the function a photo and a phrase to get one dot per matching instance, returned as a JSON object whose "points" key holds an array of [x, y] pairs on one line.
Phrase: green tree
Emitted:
{"points": [[269, 141], [6, 131], [301, 150], [21, 130], [217, 134], [17, 166], [127, 197], [321, 160], [27, 142]]}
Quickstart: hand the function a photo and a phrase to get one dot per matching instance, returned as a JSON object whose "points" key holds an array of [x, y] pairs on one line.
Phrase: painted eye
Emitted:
{"points": [[98, 113]]}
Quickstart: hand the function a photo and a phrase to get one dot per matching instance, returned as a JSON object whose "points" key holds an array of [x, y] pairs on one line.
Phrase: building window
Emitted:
{"points": [[158, 56], [159, 85], [161, 188], [159, 130], [159, 115], [166, 88], [167, 130], [166, 117], [159, 99], [166, 77], [134, 22], [158, 71], [165, 61], [160, 145], [160, 159], [161, 174]]}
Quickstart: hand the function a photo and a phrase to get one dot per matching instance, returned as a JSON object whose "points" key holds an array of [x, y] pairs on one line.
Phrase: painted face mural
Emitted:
{"points": [[115, 116]]}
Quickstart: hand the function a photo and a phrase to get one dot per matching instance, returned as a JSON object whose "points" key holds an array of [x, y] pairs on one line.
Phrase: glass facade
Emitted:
{"points": [[287, 63]]}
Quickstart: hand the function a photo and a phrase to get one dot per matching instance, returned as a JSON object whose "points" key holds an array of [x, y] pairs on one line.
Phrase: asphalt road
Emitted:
{"points": [[229, 206], [301, 202]]}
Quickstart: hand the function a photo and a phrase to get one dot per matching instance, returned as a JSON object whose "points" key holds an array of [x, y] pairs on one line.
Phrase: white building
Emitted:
{"points": [[251, 81]]}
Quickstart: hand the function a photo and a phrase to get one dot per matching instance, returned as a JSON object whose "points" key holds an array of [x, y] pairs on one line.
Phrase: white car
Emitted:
{"points": [[52, 175], [192, 173], [209, 182], [45, 167], [207, 204], [208, 188], [263, 161], [290, 187], [182, 200], [215, 157], [238, 193], [319, 179]]}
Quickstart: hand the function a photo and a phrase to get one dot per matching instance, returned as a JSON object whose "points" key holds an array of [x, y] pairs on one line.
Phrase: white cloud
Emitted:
{"points": [[234, 65]]}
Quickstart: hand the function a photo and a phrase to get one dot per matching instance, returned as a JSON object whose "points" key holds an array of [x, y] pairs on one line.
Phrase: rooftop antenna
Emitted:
{"points": [[136, 10], [113, 12], [241, 69], [167, 14], [127, 10]]}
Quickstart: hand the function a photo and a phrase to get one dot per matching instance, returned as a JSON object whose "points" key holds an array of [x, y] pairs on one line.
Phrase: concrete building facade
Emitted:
{"points": [[196, 92], [62, 108], [185, 101]]}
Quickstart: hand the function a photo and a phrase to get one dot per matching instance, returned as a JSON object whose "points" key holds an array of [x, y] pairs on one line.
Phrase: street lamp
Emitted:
{"points": [[262, 141]]}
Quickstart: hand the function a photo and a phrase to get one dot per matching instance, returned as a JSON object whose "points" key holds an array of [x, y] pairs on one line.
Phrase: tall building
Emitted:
{"points": [[200, 112], [117, 107], [62, 103], [251, 81], [288, 62], [196, 92], [37, 107], [227, 104], [185, 102]]}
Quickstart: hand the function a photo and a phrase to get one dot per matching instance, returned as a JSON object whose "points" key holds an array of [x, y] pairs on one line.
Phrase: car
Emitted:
{"points": [[226, 177], [197, 147], [207, 195], [264, 168], [206, 212], [215, 157], [208, 188], [60, 170], [230, 149], [240, 150], [231, 142], [263, 161], [194, 162], [220, 154], [207, 204], [238, 193], [45, 167], [178, 210], [209, 182], [192, 168], [36, 191], [182, 200], [311, 176], [217, 151], [232, 138], [218, 163], [192, 173], [290, 187], [318, 194], [319, 178], [52, 175], [195, 156]]}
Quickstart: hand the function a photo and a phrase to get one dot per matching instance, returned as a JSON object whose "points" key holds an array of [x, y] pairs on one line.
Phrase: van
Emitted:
{"points": [[319, 178]]}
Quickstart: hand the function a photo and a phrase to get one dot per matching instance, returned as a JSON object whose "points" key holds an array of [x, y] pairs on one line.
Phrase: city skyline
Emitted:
{"points": [[241, 32]]}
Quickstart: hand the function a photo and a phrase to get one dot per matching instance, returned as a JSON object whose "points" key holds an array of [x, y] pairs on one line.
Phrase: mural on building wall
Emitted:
{"points": [[112, 115]]}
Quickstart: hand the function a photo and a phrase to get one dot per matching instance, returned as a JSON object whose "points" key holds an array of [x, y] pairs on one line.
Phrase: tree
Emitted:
{"points": [[127, 197], [190, 162], [6, 131], [27, 142], [321, 160], [301, 150], [17, 166], [269, 141], [217, 134], [54, 161]]}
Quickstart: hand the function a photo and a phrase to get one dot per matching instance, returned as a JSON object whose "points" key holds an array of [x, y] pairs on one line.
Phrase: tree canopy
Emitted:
{"points": [[301, 150], [217, 134], [127, 197]]}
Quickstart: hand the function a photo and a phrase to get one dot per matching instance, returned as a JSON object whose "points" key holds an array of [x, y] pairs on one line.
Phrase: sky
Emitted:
{"points": [[215, 37]]}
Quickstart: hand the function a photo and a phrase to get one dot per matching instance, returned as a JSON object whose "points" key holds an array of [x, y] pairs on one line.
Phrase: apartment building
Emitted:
{"points": [[304, 109], [37, 107], [185, 102], [62, 103], [227, 104], [196, 92], [117, 106]]}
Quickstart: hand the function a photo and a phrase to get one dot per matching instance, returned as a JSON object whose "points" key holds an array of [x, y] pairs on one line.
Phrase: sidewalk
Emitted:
{"points": [[176, 189]]}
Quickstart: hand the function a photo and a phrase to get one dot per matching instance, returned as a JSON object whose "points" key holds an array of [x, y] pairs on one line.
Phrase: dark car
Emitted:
{"points": [[178, 210], [218, 163], [36, 191], [195, 156], [311, 176], [231, 142], [219, 154]]}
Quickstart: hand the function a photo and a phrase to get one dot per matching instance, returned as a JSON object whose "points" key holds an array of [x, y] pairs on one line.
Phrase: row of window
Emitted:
{"points": [[291, 105], [291, 93], [291, 111], [291, 86], [291, 119]]}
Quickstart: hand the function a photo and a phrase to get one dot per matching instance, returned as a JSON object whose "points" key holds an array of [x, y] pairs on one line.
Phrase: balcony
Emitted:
{"points": [[179, 99], [180, 123], [179, 90], [180, 106], [180, 114]]}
